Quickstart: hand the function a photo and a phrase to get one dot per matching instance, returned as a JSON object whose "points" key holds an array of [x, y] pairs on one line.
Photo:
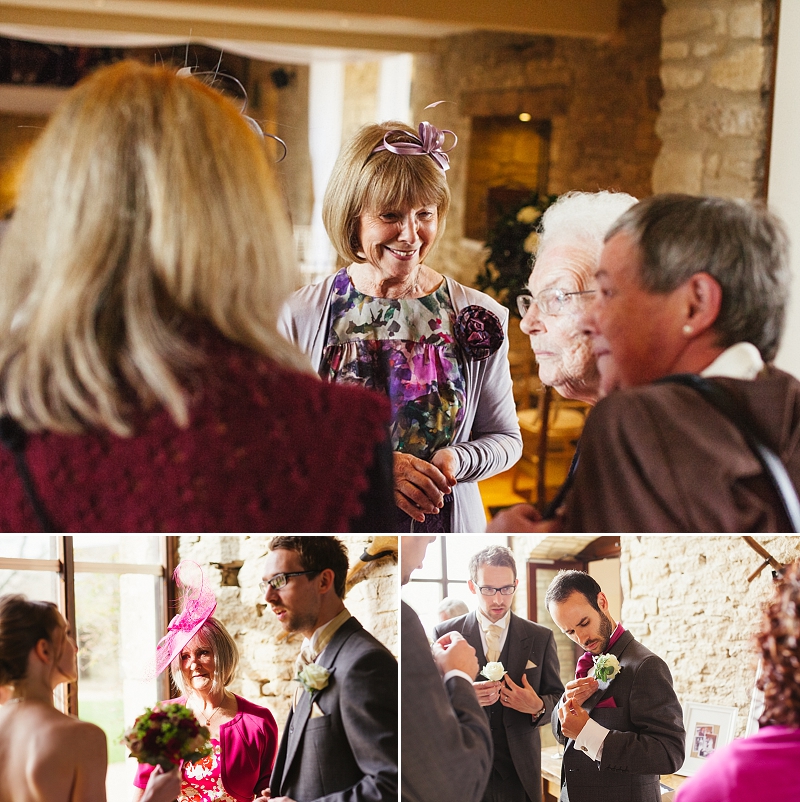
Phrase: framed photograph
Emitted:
{"points": [[708, 728], [756, 705]]}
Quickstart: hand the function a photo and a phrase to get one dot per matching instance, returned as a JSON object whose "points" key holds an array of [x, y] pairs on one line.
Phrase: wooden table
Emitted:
{"points": [[551, 776]]}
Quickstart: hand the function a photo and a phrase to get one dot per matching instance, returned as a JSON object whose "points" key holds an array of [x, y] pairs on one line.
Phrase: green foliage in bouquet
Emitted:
{"points": [[511, 243], [165, 735]]}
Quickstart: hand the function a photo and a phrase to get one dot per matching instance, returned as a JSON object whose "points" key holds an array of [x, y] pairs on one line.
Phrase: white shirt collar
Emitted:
{"points": [[740, 361], [485, 623]]}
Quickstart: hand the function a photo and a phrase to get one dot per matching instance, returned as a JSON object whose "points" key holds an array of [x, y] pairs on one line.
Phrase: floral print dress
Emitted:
{"points": [[406, 349], [202, 781]]}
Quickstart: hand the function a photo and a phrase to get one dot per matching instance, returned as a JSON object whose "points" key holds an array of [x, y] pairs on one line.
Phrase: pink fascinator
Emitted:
{"points": [[197, 603], [428, 143]]}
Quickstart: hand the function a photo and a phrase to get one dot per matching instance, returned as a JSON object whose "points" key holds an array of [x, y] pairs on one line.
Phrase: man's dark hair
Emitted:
{"points": [[568, 582], [316, 553]]}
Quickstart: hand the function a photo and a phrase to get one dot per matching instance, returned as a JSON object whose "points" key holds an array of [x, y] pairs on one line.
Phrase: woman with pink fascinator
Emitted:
{"points": [[389, 322], [203, 658]]}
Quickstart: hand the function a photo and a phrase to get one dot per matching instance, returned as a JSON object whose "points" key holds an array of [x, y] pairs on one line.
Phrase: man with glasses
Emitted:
{"points": [[340, 741], [523, 700]]}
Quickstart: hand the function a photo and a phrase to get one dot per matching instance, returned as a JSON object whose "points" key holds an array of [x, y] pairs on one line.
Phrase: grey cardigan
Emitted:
{"points": [[487, 441]]}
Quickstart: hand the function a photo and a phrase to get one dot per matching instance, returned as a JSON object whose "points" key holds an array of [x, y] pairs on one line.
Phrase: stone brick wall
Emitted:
{"points": [[601, 98], [716, 73], [233, 565], [688, 599]]}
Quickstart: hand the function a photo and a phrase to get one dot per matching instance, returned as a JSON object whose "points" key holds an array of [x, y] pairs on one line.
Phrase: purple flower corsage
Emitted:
{"points": [[478, 332]]}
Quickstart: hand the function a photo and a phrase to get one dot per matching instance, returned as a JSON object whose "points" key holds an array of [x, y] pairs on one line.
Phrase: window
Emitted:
{"points": [[445, 573], [112, 591]]}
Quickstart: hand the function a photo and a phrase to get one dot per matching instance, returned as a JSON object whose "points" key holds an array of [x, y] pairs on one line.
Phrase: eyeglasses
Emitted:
{"points": [[488, 590], [281, 580], [550, 302]]}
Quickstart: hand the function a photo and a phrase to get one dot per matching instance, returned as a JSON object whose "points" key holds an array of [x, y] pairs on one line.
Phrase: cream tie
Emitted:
{"points": [[493, 643], [307, 655]]}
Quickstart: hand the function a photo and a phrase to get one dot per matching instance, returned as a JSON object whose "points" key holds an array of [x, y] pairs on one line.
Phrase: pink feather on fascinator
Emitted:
{"points": [[428, 143], [197, 604]]}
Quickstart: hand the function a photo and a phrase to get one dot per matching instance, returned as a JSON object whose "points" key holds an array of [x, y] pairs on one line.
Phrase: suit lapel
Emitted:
{"points": [[617, 650], [300, 716], [518, 650], [472, 635]]}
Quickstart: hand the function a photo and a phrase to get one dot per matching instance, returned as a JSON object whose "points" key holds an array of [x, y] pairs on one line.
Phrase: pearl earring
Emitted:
{"points": [[687, 330]]}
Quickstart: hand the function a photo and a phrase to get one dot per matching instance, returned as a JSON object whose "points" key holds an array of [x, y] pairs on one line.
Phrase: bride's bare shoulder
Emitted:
{"points": [[65, 758], [50, 738], [70, 736]]}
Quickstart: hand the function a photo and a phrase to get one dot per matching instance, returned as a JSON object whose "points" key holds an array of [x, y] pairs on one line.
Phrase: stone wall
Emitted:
{"points": [[600, 97], [716, 73], [688, 599], [234, 564]]}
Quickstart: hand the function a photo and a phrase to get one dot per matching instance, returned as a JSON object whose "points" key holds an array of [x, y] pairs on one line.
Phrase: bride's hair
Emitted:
{"points": [[23, 624]]}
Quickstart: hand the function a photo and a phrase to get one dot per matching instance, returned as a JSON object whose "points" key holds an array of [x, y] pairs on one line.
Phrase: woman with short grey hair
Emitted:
{"points": [[690, 307], [562, 286]]}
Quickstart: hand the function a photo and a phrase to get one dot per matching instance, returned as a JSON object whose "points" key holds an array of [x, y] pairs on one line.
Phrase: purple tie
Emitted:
{"points": [[585, 662]]}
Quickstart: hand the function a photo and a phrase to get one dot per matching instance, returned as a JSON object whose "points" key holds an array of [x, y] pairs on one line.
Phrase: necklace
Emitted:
{"points": [[213, 714]]}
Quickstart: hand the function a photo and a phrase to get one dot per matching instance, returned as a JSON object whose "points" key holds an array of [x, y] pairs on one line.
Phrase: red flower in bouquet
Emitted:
{"points": [[165, 735]]}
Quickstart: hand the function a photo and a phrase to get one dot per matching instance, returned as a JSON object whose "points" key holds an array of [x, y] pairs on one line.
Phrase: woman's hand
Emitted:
{"points": [[419, 486], [163, 786], [447, 462]]}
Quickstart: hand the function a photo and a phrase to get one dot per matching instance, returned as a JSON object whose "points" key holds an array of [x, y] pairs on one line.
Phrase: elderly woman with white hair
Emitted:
{"points": [[554, 313]]}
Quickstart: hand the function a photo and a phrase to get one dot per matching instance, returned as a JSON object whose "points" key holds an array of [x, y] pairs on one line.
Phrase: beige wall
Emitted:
{"points": [[716, 73], [601, 97], [688, 599]]}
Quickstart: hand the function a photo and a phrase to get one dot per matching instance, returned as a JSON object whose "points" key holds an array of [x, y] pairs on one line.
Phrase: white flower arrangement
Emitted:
{"points": [[493, 671], [606, 667], [313, 678]]}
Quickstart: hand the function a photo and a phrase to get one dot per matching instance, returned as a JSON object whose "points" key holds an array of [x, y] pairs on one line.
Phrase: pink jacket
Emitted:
{"points": [[760, 768], [248, 743]]}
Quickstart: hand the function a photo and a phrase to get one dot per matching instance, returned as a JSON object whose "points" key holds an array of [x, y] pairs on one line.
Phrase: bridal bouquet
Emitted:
{"points": [[165, 735]]}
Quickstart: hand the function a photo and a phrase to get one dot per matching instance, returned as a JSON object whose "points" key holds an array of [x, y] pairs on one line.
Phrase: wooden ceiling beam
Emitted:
{"points": [[411, 26]]}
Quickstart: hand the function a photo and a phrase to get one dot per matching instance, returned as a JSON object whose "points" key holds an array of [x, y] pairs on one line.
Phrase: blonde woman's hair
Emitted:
{"points": [[212, 635], [364, 181], [149, 203]]}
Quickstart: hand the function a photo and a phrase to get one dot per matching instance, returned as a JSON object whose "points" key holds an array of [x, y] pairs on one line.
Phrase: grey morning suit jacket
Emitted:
{"points": [[349, 754], [647, 735], [447, 746], [526, 642]]}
